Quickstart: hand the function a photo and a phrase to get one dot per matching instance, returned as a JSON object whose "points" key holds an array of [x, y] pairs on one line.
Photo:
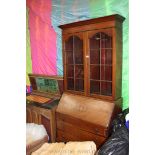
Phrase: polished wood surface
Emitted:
{"points": [[94, 21], [39, 99], [57, 77], [87, 109]]}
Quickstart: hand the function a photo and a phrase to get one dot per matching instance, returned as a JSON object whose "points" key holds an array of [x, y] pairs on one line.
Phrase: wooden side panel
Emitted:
{"points": [[35, 117], [33, 83], [118, 62], [61, 86], [28, 115], [46, 122], [47, 118]]}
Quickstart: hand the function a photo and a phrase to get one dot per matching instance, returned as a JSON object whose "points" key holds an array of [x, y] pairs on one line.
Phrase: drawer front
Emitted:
{"points": [[86, 126], [66, 136]]}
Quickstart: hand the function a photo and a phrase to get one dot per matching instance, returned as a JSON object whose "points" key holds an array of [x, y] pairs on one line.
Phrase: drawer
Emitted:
{"points": [[86, 126], [66, 136], [61, 136]]}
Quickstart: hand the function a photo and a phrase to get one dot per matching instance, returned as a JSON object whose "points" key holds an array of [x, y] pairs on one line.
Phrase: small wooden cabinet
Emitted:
{"points": [[43, 116], [42, 102]]}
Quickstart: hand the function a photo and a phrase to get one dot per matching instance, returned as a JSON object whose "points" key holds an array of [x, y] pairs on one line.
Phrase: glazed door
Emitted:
{"points": [[100, 50], [74, 63]]}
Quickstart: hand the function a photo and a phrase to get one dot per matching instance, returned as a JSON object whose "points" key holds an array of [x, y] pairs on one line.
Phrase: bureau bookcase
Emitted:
{"points": [[92, 61]]}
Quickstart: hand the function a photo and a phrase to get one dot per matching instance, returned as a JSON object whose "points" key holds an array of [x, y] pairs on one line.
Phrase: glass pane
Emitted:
{"points": [[70, 83], [103, 40], [78, 57], [108, 55], [69, 57], [106, 41], [108, 73], [41, 84], [69, 44], [79, 72], [70, 70], [78, 44], [95, 72], [94, 87], [47, 85], [94, 56], [106, 88], [78, 50], [103, 56], [102, 72], [53, 86], [95, 41], [79, 85]]}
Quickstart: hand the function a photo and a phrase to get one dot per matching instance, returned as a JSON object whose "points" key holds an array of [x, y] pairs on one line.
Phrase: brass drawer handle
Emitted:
{"points": [[63, 138], [96, 130]]}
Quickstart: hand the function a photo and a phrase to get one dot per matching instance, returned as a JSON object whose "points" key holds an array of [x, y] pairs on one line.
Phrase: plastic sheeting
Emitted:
{"points": [[65, 11], [28, 50], [34, 132], [118, 143], [42, 37]]}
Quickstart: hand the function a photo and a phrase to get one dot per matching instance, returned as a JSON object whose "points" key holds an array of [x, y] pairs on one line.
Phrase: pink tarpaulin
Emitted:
{"points": [[42, 37]]}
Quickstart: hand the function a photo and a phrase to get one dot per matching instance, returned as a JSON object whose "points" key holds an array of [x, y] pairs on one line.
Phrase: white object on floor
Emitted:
{"points": [[34, 132], [71, 148]]}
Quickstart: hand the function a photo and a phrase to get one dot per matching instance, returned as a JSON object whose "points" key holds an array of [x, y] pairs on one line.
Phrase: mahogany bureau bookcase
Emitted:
{"points": [[92, 61], [42, 102]]}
